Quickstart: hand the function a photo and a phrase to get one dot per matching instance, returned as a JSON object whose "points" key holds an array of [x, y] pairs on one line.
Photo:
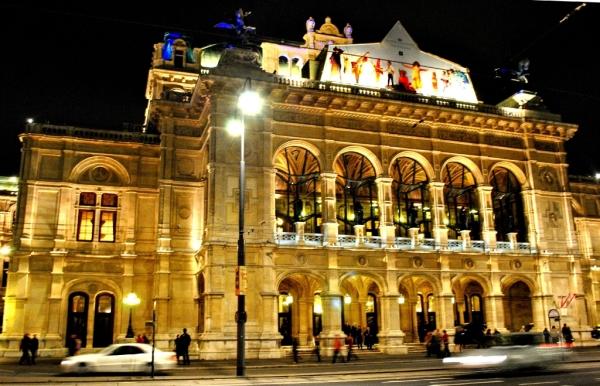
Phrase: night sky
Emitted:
{"points": [[86, 62]]}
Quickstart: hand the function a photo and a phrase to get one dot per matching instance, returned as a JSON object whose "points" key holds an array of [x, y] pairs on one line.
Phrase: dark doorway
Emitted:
{"points": [[104, 318], [371, 314], [77, 317], [285, 319]]}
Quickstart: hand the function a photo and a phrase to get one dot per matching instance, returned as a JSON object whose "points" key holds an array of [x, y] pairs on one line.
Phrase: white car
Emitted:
{"points": [[511, 352], [124, 357]]}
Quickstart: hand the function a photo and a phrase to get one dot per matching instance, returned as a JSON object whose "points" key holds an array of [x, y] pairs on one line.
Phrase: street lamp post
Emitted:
{"points": [[130, 300], [249, 103]]}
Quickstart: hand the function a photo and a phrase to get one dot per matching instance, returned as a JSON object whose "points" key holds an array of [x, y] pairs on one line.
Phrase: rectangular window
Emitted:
{"points": [[85, 225], [88, 199], [110, 200], [107, 226]]}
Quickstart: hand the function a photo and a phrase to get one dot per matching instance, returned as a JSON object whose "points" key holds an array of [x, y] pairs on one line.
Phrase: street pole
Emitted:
{"points": [[153, 335], [241, 310]]}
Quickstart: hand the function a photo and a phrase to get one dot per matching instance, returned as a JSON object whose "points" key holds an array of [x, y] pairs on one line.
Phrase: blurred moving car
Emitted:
{"points": [[596, 332], [511, 352], [124, 357]]}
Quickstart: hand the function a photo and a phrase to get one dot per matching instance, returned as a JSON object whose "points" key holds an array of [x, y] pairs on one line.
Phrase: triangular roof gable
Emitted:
{"points": [[399, 36]]}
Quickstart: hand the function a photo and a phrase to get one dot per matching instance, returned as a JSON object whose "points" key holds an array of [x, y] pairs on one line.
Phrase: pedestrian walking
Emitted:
{"points": [[446, 344], [337, 349], [34, 344], [317, 342], [295, 349], [25, 346], [350, 347], [546, 335], [567, 335], [72, 345], [185, 340], [178, 349]]}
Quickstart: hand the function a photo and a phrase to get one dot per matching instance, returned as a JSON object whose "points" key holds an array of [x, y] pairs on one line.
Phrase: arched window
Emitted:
{"points": [[462, 210], [508, 205], [77, 315], [296, 68], [356, 194], [284, 66], [297, 190], [410, 198]]}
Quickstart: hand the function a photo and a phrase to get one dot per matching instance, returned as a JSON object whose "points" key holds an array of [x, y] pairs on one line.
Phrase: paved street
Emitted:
{"points": [[372, 369]]}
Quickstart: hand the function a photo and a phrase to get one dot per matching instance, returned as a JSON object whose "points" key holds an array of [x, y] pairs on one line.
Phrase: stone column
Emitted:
{"points": [[359, 232], [512, 239], [530, 216], [486, 215], [413, 233], [299, 232], [391, 337], [329, 225], [386, 215], [304, 320], [465, 236], [332, 321], [494, 311], [438, 214]]}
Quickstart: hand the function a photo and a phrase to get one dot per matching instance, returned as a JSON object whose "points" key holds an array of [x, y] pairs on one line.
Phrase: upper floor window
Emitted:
{"points": [[94, 206]]}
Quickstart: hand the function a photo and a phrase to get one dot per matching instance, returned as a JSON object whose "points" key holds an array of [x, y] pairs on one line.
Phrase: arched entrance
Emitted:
{"points": [[360, 309], [299, 308], [417, 308], [104, 318], [473, 304], [518, 311], [77, 316]]}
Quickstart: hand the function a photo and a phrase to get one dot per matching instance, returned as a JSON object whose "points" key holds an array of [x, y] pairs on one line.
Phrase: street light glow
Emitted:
{"points": [[235, 127], [250, 103], [131, 299]]}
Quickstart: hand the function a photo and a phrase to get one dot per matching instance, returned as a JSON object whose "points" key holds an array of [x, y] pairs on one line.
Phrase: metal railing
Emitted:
{"points": [[287, 239]]}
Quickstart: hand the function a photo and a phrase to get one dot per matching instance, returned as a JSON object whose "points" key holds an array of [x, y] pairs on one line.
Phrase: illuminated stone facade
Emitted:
{"points": [[366, 207]]}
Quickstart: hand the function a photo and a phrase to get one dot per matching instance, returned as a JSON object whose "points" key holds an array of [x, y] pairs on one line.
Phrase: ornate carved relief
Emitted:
{"points": [[297, 117], [458, 135], [414, 131], [505, 141]]}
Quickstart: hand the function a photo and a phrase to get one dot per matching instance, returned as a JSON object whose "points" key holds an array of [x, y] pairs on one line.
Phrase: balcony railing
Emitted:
{"points": [[285, 239]]}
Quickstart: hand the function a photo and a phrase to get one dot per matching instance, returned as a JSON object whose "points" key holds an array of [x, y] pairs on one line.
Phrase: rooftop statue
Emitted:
{"points": [[348, 31], [238, 24], [310, 24]]}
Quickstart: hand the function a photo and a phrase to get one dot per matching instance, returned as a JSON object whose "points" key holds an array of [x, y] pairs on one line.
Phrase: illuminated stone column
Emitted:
{"points": [[486, 215], [531, 218], [438, 214], [329, 225], [386, 216], [332, 321], [304, 307], [494, 311], [391, 337], [299, 232]]}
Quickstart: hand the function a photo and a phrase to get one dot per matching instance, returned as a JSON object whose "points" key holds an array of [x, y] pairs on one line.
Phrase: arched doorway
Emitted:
{"points": [[360, 305], [417, 307], [474, 307], [518, 311], [299, 308], [104, 318], [77, 317]]}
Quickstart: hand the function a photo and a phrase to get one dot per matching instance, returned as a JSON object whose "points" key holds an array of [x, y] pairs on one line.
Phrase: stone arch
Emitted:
{"points": [[468, 163], [424, 162], [282, 275], [363, 151], [514, 169], [377, 279], [462, 279], [87, 165], [508, 280], [303, 144], [435, 282]]}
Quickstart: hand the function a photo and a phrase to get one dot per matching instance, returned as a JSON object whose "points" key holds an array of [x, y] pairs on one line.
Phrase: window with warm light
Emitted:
{"points": [[93, 207]]}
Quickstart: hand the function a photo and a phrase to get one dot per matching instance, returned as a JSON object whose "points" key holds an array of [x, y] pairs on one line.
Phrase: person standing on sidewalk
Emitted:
{"points": [[25, 346], [185, 339], [295, 349], [34, 344]]}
